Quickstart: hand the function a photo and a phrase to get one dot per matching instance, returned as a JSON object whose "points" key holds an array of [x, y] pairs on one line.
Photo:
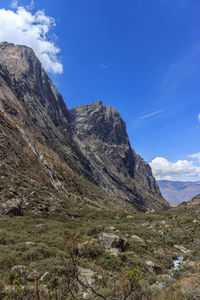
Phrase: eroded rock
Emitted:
{"points": [[12, 207], [109, 241]]}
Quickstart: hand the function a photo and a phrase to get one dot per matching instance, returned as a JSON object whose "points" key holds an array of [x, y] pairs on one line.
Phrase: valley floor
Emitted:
{"points": [[95, 254]]}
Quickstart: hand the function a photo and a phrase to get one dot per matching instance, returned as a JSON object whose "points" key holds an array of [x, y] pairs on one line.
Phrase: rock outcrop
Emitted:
{"points": [[100, 134], [109, 240], [49, 152]]}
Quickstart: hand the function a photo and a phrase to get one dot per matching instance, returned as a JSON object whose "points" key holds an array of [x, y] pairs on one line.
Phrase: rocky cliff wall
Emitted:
{"points": [[88, 143]]}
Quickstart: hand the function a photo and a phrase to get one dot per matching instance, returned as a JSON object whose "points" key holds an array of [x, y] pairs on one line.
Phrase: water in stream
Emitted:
{"points": [[176, 262]]}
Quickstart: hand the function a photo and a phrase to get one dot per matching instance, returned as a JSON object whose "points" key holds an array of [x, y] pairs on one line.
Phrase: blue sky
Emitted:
{"points": [[143, 58]]}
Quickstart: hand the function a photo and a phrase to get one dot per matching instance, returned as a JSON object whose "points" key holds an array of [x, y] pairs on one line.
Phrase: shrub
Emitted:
{"points": [[90, 250], [109, 262]]}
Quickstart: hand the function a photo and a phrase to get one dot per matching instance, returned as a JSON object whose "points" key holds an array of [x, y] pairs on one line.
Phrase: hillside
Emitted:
{"points": [[97, 254], [51, 156], [81, 215]]}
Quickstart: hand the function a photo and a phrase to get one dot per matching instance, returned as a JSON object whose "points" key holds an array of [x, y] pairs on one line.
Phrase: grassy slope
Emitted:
{"points": [[52, 235]]}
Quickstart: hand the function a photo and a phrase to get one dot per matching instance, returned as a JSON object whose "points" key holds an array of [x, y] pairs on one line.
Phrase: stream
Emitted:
{"points": [[176, 265], [177, 262]]}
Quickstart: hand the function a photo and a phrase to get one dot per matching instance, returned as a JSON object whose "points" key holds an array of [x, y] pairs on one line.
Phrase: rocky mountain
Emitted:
{"points": [[194, 202], [51, 156], [179, 191]]}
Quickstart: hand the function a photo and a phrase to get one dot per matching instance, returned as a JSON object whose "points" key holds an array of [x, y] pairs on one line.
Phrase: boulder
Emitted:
{"points": [[12, 207], [109, 240], [112, 229], [86, 276], [113, 251], [137, 238]]}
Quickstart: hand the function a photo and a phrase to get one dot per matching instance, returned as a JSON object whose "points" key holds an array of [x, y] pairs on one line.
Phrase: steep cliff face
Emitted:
{"points": [[26, 78], [28, 96], [85, 151], [100, 134], [143, 174]]}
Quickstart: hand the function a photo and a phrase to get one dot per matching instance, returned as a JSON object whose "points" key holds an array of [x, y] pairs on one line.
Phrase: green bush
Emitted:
{"points": [[109, 262], [90, 250]]}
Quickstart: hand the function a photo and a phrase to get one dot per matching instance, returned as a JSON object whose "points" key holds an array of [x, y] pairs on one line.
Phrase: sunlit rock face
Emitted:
{"points": [[101, 136], [45, 145]]}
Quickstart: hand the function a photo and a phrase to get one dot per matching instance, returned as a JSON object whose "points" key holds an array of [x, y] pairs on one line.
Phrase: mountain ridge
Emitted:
{"points": [[179, 191], [67, 147]]}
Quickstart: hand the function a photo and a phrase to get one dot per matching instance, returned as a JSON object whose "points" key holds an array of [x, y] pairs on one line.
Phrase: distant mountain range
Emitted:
{"points": [[179, 191]]}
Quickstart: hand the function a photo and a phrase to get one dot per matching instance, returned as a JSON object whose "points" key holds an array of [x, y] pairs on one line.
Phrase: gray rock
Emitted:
{"points": [[149, 263], [90, 141], [113, 251], [137, 238], [181, 248], [109, 241], [86, 276], [100, 134], [127, 235], [12, 207], [112, 228]]}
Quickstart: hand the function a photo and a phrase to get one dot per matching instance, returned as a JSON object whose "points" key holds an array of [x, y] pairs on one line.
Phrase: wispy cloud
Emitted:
{"points": [[182, 70], [103, 66], [31, 5], [14, 4], [152, 114], [199, 117]]}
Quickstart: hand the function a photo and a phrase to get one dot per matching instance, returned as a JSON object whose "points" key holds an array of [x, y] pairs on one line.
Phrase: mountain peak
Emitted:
{"points": [[74, 148], [101, 121], [23, 72], [19, 60], [97, 103]]}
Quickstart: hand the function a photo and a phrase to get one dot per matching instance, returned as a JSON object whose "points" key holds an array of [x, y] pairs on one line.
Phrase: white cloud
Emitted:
{"points": [[195, 156], [152, 114], [199, 117], [164, 169], [21, 27]]}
